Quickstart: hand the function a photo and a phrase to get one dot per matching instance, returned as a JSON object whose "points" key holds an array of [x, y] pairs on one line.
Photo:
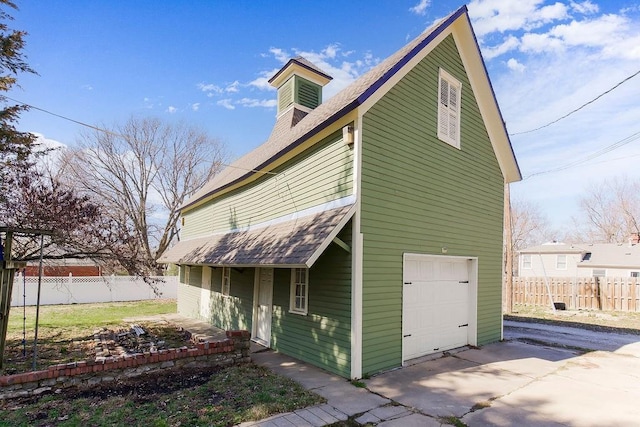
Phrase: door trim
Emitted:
{"points": [[256, 298]]}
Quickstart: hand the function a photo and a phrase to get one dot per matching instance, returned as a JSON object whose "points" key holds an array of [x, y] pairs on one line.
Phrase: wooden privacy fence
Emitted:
{"points": [[580, 293]]}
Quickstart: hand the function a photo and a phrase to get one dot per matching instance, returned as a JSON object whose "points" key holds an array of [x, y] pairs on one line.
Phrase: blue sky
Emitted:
{"points": [[206, 63]]}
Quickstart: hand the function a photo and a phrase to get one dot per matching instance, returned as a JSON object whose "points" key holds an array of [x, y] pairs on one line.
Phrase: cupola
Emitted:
{"points": [[299, 85]]}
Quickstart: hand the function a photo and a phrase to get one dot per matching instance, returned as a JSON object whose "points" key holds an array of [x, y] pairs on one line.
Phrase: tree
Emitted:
{"points": [[15, 147], [529, 227], [42, 201], [610, 211], [140, 172]]}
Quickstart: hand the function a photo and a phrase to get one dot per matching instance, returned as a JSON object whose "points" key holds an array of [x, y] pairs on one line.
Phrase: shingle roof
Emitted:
{"points": [[292, 243], [304, 62], [321, 117]]}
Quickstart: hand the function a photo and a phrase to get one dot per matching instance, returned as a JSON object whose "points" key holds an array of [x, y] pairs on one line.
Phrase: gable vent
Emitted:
{"points": [[308, 94]]}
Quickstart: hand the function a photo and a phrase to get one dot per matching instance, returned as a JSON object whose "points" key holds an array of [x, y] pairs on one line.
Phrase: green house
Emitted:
{"points": [[367, 230]]}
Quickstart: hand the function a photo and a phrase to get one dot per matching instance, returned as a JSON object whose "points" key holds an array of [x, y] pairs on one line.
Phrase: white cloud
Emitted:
{"points": [[54, 152], [209, 88], [538, 43], [420, 8], [86, 87], [233, 87], [47, 143], [281, 55], [585, 7], [195, 106], [489, 16], [251, 102], [171, 109], [226, 103], [513, 64], [509, 44], [595, 32], [262, 82]]}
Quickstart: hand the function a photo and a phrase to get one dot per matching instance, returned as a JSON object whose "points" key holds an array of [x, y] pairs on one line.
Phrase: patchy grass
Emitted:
{"points": [[180, 397], [452, 420], [65, 333], [614, 321]]}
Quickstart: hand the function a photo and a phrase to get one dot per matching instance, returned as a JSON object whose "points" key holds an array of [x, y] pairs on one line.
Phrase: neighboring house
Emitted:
{"points": [[367, 230], [582, 260], [64, 267]]}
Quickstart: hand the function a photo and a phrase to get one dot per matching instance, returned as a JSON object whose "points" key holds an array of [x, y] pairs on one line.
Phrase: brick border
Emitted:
{"points": [[232, 350]]}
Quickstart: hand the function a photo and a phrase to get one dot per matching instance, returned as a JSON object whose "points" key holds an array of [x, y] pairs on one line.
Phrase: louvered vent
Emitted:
{"points": [[308, 94], [285, 95]]}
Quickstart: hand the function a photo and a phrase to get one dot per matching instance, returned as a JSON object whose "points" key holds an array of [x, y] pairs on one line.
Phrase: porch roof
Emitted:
{"points": [[292, 243]]}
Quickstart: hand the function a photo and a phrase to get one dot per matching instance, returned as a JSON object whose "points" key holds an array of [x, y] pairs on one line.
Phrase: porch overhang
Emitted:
{"points": [[293, 243]]}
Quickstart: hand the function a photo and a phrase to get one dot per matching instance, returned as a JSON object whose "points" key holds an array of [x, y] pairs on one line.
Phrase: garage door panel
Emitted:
{"points": [[435, 304]]}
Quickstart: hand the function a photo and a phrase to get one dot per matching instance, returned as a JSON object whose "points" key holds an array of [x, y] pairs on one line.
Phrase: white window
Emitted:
{"points": [[299, 292], [449, 91], [561, 262], [226, 280], [526, 261], [635, 274], [187, 271]]}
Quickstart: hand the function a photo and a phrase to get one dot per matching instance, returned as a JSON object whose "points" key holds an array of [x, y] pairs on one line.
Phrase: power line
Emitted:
{"points": [[65, 118], [590, 157], [115, 133], [580, 107]]}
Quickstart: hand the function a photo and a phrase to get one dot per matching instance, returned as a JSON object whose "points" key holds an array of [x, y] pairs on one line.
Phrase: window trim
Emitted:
{"points": [[226, 281], [187, 274], [451, 81], [293, 294], [526, 265], [558, 267]]}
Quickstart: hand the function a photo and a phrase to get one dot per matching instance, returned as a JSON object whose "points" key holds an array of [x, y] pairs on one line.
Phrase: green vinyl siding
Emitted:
{"points": [[236, 310], [189, 293], [420, 194], [285, 95], [322, 337], [319, 175], [188, 300]]}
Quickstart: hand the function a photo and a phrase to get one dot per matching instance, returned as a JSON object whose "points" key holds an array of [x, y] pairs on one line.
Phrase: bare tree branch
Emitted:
{"points": [[141, 173]]}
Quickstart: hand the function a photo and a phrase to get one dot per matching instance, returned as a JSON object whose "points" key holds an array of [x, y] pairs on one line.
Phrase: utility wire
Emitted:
{"points": [[580, 107], [115, 133], [591, 156]]}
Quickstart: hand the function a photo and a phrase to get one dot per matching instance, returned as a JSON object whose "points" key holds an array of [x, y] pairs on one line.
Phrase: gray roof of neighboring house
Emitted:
{"points": [[618, 255], [285, 138], [297, 242], [553, 248]]}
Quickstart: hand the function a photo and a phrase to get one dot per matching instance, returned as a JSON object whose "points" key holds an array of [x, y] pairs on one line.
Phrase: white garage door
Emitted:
{"points": [[435, 304]]}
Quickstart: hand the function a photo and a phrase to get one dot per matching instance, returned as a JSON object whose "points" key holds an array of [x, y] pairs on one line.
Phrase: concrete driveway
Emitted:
{"points": [[514, 383]]}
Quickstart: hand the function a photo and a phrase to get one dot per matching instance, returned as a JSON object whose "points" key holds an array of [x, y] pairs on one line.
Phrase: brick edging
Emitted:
{"points": [[232, 350]]}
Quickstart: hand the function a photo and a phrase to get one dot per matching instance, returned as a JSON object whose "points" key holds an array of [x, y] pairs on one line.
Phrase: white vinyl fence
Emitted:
{"points": [[88, 289]]}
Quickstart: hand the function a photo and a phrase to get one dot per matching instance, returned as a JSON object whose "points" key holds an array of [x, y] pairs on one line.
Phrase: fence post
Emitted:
{"points": [[69, 286]]}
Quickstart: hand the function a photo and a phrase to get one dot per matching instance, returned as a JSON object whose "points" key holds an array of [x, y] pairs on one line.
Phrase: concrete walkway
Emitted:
{"points": [[502, 384]]}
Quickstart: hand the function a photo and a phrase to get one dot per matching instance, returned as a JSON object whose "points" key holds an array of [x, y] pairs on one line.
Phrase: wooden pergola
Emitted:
{"points": [[8, 267]]}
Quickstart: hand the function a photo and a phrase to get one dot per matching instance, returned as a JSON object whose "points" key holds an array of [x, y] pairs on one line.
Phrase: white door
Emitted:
{"points": [[263, 306], [205, 294], [435, 297]]}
